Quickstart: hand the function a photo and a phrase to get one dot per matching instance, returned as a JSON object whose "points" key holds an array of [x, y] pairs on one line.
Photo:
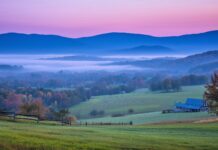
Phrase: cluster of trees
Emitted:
{"points": [[193, 79], [68, 80], [117, 84], [103, 89], [98, 83], [92, 83], [41, 102], [168, 84]]}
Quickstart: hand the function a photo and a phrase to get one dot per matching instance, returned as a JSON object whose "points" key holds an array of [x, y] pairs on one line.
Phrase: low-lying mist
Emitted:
{"points": [[43, 63], [54, 63]]}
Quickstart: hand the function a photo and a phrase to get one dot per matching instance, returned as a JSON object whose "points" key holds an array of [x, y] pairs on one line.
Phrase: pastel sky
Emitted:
{"points": [[76, 18]]}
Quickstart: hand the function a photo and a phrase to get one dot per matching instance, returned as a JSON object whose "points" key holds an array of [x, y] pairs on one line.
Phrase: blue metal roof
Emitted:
{"points": [[191, 103]]}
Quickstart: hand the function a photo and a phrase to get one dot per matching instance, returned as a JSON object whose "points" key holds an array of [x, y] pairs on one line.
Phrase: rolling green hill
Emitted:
{"points": [[140, 101]]}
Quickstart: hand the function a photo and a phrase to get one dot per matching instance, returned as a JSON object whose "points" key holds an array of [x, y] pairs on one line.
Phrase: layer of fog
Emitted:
{"points": [[39, 63], [35, 63], [144, 57]]}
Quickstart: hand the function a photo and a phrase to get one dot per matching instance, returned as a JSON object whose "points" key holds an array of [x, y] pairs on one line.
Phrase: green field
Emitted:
{"points": [[23, 136], [140, 101], [148, 118]]}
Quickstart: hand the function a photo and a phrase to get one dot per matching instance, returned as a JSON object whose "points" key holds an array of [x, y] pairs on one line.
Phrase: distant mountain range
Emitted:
{"points": [[109, 43], [199, 63]]}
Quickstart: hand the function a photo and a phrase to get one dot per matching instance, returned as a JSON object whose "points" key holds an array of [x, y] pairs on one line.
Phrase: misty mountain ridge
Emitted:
{"points": [[190, 63], [195, 60], [208, 68], [109, 43]]}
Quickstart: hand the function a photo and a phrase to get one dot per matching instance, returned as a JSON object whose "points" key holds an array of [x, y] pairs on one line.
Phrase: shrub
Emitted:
{"points": [[97, 113], [130, 111], [117, 115], [70, 119], [93, 113]]}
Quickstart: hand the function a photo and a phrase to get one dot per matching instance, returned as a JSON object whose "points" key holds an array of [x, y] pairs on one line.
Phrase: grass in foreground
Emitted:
{"points": [[22, 136], [140, 101]]}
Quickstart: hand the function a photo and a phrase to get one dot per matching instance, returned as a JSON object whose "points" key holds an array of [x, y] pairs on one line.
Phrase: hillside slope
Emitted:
{"points": [[206, 59]]}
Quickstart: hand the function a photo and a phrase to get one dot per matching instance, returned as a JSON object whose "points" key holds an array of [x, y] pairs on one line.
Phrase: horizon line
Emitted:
{"points": [[104, 33]]}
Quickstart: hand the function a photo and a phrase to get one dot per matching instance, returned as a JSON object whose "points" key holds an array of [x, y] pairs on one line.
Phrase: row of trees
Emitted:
{"points": [[69, 80], [193, 79], [168, 84], [98, 83]]}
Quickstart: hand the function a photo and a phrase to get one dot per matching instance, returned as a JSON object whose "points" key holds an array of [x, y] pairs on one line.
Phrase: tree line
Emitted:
{"points": [[173, 84]]}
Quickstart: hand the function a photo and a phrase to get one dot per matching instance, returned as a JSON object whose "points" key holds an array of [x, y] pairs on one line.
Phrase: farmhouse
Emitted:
{"points": [[192, 105]]}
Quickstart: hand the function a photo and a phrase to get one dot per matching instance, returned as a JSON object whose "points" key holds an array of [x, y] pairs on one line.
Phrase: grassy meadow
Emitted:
{"points": [[23, 136], [140, 101]]}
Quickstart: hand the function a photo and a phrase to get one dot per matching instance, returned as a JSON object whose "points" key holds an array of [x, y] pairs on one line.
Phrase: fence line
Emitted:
{"points": [[105, 123], [16, 116]]}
